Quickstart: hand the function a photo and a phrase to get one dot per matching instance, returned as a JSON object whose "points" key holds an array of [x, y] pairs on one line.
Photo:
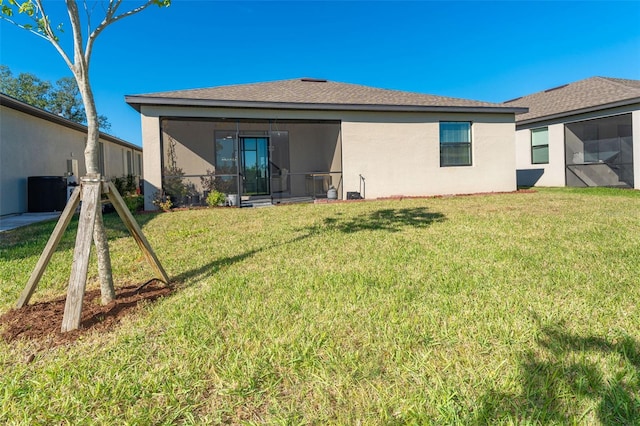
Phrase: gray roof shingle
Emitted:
{"points": [[575, 97], [308, 92]]}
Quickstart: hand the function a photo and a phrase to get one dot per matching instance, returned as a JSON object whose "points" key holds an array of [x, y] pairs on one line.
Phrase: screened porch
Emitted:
{"points": [[599, 152], [253, 162]]}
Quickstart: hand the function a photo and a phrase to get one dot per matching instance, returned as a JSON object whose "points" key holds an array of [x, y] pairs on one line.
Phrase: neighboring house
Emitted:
{"points": [[295, 139], [34, 142], [581, 134]]}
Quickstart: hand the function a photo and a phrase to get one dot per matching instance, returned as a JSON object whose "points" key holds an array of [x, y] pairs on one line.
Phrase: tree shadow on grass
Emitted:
{"points": [[390, 220], [559, 371], [211, 267], [218, 264]]}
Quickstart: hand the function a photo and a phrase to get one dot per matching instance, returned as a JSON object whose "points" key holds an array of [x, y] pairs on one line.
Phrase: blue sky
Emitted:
{"points": [[491, 51]]}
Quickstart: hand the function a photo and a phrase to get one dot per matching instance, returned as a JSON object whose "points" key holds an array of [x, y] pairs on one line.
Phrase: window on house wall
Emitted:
{"points": [[540, 146], [455, 143], [139, 164], [129, 165], [101, 158]]}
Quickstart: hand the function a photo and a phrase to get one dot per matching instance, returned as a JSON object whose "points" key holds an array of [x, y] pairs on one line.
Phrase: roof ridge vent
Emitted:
{"points": [[555, 88], [313, 80], [513, 100]]}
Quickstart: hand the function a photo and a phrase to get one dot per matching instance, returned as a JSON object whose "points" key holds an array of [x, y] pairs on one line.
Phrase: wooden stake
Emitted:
{"points": [[133, 227], [91, 191], [50, 248]]}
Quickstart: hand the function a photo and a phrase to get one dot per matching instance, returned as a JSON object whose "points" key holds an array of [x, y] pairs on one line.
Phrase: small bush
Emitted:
{"points": [[126, 185], [135, 203], [215, 198], [163, 202]]}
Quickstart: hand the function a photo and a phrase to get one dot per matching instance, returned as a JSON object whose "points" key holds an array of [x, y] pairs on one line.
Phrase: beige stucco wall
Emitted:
{"points": [[152, 164], [114, 158], [194, 145], [32, 146], [552, 172], [396, 153], [399, 154]]}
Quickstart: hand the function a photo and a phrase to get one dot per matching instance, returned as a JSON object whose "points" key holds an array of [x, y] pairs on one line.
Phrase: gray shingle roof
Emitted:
{"points": [[306, 93], [576, 97]]}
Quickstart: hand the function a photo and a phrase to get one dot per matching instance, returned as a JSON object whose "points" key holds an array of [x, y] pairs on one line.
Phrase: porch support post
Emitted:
{"points": [[238, 165]]}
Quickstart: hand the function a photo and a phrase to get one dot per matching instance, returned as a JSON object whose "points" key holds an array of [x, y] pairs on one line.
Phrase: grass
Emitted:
{"points": [[497, 309]]}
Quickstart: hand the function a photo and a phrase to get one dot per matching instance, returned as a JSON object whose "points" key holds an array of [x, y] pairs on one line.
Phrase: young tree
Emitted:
{"points": [[66, 101], [32, 16]]}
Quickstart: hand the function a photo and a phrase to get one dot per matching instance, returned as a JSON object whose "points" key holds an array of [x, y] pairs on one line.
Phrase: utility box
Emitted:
{"points": [[46, 193]]}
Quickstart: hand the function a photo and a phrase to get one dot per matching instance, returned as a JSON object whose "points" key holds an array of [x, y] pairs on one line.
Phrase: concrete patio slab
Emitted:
{"points": [[15, 221]]}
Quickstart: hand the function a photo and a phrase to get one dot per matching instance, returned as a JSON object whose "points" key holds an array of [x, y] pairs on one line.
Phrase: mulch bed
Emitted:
{"points": [[41, 322]]}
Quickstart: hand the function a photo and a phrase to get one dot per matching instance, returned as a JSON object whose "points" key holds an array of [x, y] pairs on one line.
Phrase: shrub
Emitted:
{"points": [[126, 185], [215, 198], [135, 203], [163, 202]]}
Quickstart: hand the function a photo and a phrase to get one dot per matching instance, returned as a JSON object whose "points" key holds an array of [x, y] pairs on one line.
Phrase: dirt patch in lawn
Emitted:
{"points": [[41, 321]]}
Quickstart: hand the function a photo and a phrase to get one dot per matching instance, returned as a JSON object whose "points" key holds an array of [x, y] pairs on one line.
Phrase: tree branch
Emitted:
{"points": [[80, 65], [49, 35], [111, 17], [23, 26], [86, 11]]}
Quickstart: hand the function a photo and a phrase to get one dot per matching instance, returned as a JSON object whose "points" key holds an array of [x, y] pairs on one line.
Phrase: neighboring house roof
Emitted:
{"points": [[314, 94], [8, 101], [582, 96]]}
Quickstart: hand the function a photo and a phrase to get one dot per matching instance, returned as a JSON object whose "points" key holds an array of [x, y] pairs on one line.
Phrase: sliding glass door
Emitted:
{"points": [[255, 165]]}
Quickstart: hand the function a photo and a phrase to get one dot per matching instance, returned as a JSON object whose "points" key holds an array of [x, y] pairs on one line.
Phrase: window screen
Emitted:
{"points": [[540, 146], [455, 143]]}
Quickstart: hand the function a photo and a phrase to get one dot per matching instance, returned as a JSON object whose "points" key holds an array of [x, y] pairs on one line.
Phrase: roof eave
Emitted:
{"points": [[23, 107], [137, 101], [563, 114]]}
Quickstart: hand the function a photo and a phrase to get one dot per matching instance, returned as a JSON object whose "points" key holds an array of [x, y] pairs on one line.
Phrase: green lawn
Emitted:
{"points": [[497, 309]]}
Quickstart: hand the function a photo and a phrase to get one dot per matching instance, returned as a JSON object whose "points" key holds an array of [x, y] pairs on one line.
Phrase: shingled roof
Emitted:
{"points": [[308, 93], [578, 97]]}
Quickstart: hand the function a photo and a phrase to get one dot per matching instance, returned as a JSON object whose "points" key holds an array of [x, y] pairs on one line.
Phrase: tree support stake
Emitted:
{"points": [[90, 192]]}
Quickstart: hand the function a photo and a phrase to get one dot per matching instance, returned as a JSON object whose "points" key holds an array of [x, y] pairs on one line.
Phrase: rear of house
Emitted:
{"points": [[581, 134], [296, 139], [38, 144]]}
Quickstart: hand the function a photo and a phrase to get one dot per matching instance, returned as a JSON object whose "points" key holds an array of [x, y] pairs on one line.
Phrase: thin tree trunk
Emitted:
{"points": [[107, 291], [79, 66]]}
